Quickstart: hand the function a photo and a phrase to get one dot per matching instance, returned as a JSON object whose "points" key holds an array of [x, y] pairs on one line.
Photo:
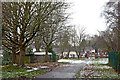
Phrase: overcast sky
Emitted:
{"points": [[87, 13]]}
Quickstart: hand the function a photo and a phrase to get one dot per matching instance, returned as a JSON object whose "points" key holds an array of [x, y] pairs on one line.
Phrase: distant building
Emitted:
{"points": [[91, 56], [92, 51], [41, 50], [72, 54]]}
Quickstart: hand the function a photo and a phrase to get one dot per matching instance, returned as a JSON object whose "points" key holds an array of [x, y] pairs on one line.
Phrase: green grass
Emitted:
{"points": [[96, 59], [16, 74], [78, 75], [104, 73], [11, 71], [99, 64], [100, 59], [108, 73]]}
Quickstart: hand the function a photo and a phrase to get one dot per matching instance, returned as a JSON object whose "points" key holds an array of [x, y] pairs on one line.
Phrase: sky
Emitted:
{"points": [[87, 13]]}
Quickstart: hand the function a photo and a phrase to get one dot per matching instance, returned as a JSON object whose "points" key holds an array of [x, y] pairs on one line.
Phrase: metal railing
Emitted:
{"points": [[114, 60]]}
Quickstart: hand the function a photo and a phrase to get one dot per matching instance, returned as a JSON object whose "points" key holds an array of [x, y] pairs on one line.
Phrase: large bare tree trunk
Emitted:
{"points": [[14, 48], [62, 55], [22, 56], [37, 44], [46, 55], [37, 48], [68, 54], [13, 56], [78, 55]]}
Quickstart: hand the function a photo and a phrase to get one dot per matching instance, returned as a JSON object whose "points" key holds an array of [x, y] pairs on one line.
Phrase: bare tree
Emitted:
{"points": [[63, 41], [38, 42], [78, 39], [53, 25], [81, 36], [112, 16], [21, 22], [110, 39]]}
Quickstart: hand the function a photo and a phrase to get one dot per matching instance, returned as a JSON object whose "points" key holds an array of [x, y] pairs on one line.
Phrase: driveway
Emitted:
{"points": [[64, 71]]}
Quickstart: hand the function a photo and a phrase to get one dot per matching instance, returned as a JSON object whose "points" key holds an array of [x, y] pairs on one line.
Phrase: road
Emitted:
{"points": [[64, 71]]}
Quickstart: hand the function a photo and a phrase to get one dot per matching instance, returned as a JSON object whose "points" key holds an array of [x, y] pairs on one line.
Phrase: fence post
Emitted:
{"points": [[109, 58], [118, 62], [54, 57]]}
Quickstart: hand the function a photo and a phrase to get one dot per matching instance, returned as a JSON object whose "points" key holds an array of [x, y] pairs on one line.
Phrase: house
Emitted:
{"points": [[104, 55], [91, 55], [72, 54], [92, 51], [34, 50]]}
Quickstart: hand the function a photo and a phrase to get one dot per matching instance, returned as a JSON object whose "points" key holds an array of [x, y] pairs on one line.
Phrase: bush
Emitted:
{"points": [[7, 59]]}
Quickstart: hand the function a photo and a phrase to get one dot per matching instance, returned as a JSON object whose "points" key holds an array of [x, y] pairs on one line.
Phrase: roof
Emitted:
{"points": [[41, 53]]}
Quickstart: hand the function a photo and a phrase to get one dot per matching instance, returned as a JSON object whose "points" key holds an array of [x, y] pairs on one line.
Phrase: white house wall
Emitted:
{"points": [[70, 54]]}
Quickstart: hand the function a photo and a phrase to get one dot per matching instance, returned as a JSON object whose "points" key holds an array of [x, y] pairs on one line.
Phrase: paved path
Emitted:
{"points": [[64, 71]]}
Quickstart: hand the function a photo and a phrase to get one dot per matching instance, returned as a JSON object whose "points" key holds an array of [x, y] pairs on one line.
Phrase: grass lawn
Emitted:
{"points": [[10, 71], [100, 59], [94, 71], [98, 68]]}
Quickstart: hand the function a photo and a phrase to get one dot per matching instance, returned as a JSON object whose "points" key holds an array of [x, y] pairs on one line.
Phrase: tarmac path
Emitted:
{"points": [[64, 71]]}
